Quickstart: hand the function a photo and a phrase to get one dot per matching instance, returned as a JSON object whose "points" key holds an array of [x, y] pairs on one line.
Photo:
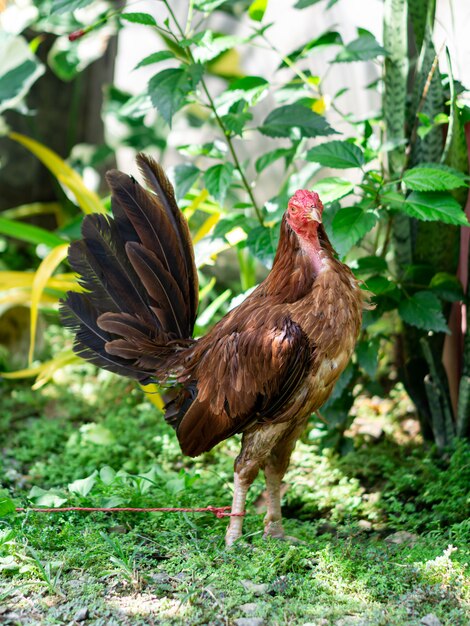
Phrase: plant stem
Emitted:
{"points": [[231, 147], [388, 235], [189, 18], [226, 133]]}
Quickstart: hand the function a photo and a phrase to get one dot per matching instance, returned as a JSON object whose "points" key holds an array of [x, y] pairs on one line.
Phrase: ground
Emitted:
{"points": [[383, 532]]}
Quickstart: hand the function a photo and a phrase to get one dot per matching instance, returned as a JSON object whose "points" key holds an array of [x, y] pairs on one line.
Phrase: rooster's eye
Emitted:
{"points": [[293, 210]]}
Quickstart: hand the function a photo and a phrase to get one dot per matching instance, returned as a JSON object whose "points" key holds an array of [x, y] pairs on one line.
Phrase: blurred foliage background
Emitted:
{"points": [[394, 181]]}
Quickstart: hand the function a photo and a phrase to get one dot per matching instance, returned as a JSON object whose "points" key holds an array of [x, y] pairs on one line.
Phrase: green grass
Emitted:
{"points": [[132, 568]]}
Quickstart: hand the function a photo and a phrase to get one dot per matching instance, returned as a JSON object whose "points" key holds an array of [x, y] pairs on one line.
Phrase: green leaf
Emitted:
{"points": [[67, 6], [169, 89], [7, 506], [156, 57], [303, 4], [350, 225], [336, 154], [213, 149], [96, 434], [19, 70], [139, 18], [207, 6], [369, 265], [367, 353], [434, 178], [235, 122], [49, 499], [209, 45], [296, 122], [329, 38], [364, 48], [185, 177], [217, 179], [447, 286], [262, 242], [257, 9], [250, 89], [107, 474], [334, 188], [83, 486], [67, 59], [379, 284], [423, 310], [113, 501], [29, 233], [64, 62], [433, 207], [270, 157]]}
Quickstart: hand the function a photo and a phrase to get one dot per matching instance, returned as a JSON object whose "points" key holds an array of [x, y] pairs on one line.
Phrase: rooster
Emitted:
{"points": [[261, 371]]}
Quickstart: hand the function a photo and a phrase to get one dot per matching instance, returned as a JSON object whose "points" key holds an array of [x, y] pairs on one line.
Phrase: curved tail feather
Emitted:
{"points": [[137, 268]]}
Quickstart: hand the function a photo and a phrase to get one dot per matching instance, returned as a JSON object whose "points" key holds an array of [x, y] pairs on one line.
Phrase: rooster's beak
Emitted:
{"points": [[314, 215]]}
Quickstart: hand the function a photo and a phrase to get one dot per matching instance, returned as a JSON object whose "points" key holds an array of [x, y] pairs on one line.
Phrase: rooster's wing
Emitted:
{"points": [[244, 377]]}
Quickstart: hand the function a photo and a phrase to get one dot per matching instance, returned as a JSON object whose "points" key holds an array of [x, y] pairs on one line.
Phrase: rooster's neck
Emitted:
{"points": [[310, 249], [310, 246], [298, 263]]}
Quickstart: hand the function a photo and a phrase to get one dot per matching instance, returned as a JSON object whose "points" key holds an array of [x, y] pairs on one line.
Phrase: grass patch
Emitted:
{"points": [[93, 440]]}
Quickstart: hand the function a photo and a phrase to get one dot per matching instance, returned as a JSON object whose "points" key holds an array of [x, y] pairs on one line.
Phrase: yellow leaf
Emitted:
{"points": [[24, 280], [227, 65], [48, 369], [193, 207], [235, 236], [152, 393], [42, 275], [257, 9], [15, 280], [45, 371], [205, 290], [321, 105], [35, 208], [26, 373], [23, 296], [313, 80], [88, 200], [208, 225]]}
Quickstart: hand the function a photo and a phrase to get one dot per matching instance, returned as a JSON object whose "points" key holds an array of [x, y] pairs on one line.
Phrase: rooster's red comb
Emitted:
{"points": [[306, 198]]}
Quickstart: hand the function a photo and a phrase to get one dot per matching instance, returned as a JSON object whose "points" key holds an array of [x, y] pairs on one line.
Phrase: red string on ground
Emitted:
{"points": [[218, 511]]}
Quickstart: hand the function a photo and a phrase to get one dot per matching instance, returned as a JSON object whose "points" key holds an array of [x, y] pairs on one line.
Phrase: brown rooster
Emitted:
{"points": [[261, 371]]}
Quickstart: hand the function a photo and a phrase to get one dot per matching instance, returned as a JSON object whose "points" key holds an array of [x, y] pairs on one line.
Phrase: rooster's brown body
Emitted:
{"points": [[262, 370]]}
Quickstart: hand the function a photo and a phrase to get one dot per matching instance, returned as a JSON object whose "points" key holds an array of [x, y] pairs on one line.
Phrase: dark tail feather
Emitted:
{"points": [[161, 287], [138, 310], [79, 314], [156, 179], [150, 223]]}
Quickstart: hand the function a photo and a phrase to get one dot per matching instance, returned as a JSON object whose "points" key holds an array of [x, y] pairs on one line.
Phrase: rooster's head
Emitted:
{"points": [[304, 211]]}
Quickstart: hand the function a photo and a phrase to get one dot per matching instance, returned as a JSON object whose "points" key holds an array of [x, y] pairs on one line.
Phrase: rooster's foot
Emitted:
{"points": [[274, 529], [231, 538]]}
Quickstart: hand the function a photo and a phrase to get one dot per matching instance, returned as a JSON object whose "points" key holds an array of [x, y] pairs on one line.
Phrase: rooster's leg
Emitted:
{"points": [[274, 469], [273, 519], [245, 473]]}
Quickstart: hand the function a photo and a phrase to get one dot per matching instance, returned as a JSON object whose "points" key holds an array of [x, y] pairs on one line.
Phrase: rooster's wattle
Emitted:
{"points": [[262, 370]]}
